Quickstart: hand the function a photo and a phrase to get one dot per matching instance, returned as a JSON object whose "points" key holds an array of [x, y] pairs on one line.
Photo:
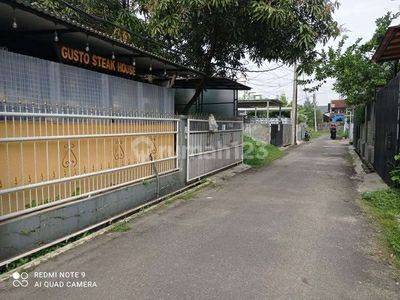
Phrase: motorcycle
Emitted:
{"points": [[333, 134], [306, 136]]}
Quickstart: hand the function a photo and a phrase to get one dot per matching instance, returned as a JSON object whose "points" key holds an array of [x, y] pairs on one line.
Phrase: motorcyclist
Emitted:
{"points": [[333, 131], [306, 136]]}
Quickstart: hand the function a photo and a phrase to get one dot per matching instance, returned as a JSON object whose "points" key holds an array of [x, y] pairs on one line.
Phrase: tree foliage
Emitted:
{"points": [[356, 76], [306, 114], [284, 101], [215, 36]]}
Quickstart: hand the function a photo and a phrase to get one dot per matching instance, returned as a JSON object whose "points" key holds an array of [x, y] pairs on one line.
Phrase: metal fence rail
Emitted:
{"points": [[53, 154], [209, 151]]}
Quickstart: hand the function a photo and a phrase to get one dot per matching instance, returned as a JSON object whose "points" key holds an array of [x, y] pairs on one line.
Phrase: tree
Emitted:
{"points": [[214, 36], [284, 101], [356, 76], [306, 113]]}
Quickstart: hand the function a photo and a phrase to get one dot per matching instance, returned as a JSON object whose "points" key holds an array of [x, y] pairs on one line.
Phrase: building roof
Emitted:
{"points": [[389, 48], [213, 83], [338, 104], [37, 26], [258, 103]]}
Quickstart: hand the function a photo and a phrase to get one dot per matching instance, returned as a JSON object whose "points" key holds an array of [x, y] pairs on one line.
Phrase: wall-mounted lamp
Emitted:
{"points": [[56, 39], [14, 23]]}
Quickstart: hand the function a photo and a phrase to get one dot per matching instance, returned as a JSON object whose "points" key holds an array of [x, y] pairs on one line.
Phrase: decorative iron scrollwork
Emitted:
{"points": [[69, 159], [119, 152]]}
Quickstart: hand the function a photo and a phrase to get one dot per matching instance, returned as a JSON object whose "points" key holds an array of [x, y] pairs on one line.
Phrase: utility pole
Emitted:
{"points": [[294, 106], [315, 112]]}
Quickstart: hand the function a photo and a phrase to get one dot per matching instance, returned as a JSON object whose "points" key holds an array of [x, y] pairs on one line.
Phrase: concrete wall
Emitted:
{"points": [[365, 145], [301, 130], [262, 132], [32, 79], [287, 134], [28, 232], [259, 132]]}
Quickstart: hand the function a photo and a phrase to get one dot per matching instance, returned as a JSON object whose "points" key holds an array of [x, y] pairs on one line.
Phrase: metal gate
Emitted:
{"points": [[210, 151], [387, 128], [276, 135], [51, 155]]}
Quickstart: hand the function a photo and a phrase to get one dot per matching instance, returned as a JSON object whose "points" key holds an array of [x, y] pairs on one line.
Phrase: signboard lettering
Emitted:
{"points": [[96, 61]]}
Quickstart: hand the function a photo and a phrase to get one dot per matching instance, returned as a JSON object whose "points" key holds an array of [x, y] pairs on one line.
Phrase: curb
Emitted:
{"points": [[367, 182]]}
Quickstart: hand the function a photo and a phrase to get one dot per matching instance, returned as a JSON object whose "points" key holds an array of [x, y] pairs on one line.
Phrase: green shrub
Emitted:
{"points": [[395, 173], [258, 154]]}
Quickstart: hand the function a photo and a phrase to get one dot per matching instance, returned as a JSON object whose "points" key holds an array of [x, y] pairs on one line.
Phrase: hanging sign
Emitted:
{"points": [[95, 61]]}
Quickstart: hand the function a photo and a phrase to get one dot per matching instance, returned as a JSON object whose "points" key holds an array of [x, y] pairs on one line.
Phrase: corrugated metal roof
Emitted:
{"points": [[338, 104], [389, 48], [258, 103], [61, 19]]}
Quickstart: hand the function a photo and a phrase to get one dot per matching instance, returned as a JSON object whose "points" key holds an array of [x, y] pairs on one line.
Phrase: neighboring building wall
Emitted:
{"points": [[29, 79], [182, 96], [217, 102]]}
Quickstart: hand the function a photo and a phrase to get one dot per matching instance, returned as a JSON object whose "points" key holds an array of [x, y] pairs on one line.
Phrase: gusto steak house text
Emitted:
{"points": [[96, 61]]}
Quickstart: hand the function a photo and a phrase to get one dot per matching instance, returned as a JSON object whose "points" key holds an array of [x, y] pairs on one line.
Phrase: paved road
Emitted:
{"points": [[291, 230]]}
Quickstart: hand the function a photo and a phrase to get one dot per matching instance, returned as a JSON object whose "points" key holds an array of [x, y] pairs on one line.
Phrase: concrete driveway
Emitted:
{"points": [[290, 230]]}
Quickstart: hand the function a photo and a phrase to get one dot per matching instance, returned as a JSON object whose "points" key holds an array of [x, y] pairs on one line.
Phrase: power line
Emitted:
{"points": [[254, 71]]}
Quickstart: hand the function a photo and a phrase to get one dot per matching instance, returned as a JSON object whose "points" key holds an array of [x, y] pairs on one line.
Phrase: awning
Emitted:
{"points": [[214, 83], [35, 34], [389, 49]]}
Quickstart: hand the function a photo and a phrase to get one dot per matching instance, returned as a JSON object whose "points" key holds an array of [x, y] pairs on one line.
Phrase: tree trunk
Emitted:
{"points": [[207, 71], [199, 89]]}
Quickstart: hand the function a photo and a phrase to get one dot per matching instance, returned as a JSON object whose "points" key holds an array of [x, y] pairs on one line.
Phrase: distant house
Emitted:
{"points": [[337, 107]]}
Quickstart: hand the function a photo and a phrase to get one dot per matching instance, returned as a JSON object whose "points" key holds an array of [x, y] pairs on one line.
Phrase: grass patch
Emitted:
{"points": [[258, 154], [316, 134], [120, 227], [343, 135], [385, 206]]}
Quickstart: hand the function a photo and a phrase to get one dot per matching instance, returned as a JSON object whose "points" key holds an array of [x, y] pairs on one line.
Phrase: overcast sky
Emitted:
{"points": [[357, 16]]}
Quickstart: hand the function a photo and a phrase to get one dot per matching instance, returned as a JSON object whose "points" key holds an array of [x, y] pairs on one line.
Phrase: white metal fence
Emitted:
{"points": [[53, 154], [269, 120], [210, 151]]}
